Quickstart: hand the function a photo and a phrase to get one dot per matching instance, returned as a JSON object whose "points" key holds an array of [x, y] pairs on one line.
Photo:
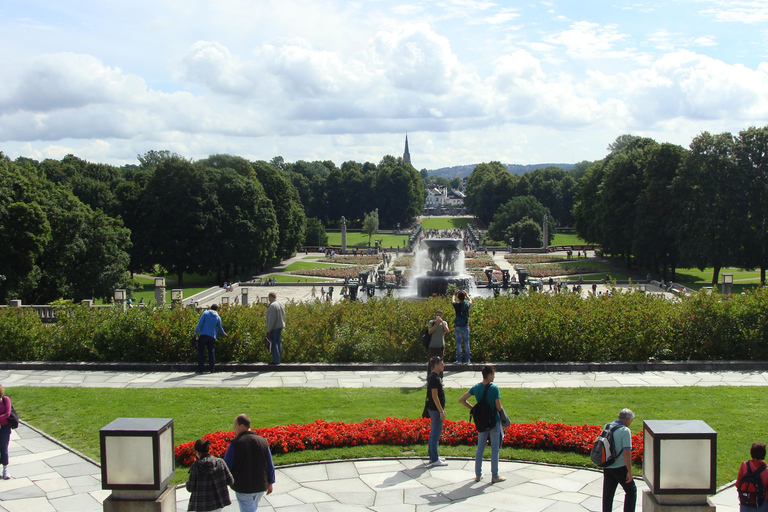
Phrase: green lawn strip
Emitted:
{"points": [[600, 277], [289, 278], [566, 239], [75, 415], [308, 265], [704, 277], [445, 222], [359, 239], [583, 262]]}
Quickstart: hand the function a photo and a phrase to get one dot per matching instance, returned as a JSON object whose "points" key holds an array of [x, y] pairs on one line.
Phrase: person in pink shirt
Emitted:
{"points": [[5, 431]]}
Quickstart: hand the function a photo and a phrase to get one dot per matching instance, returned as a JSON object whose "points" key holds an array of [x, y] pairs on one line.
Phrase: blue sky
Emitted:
{"points": [[469, 80]]}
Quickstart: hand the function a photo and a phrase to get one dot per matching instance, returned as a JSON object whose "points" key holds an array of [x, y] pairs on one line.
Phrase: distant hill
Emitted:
{"points": [[465, 170]]}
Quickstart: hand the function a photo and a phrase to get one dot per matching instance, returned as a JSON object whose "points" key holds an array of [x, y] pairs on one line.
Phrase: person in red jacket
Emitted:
{"points": [[757, 452]]}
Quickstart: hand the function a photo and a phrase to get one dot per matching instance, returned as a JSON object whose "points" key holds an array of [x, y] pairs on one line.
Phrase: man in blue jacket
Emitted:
{"points": [[207, 327]]}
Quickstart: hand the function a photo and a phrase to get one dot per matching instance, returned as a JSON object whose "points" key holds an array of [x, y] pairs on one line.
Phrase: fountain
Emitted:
{"points": [[446, 266]]}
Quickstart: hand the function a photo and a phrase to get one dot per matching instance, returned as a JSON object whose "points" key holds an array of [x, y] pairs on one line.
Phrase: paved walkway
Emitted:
{"points": [[49, 477]]}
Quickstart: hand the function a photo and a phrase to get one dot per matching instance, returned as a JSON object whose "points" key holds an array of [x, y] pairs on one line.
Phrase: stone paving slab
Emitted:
{"points": [[368, 379]]}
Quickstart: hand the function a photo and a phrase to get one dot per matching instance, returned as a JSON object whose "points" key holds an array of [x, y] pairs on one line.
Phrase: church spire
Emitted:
{"points": [[406, 153]]}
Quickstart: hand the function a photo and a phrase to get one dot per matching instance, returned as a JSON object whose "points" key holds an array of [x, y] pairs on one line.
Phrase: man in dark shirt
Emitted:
{"points": [[436, 408], [250, 461]]}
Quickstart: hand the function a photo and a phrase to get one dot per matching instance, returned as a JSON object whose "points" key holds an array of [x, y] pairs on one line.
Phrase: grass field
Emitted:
{"points": [[287, 278], [358, 239], [75, 415], [566, 239], [445, 222], [308, 265], [597, 277]]}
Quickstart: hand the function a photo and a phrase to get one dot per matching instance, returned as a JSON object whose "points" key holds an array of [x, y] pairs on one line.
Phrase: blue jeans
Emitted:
{"points": [[482, 438], [5, 439], [435, 431], [277, 344], [249, 502], [462, 337], [204, 343]]}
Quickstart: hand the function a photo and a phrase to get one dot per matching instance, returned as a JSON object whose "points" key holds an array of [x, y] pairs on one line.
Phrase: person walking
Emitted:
{"points": [[275, 325], [620, 472], [436, 409], [5, 431], [461, 303], [492, 395], [250, 461], [207, 327], [208, 480], [438, 328]]}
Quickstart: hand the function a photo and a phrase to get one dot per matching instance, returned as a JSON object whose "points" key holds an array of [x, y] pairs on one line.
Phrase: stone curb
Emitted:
{"points": [[554, 367]]}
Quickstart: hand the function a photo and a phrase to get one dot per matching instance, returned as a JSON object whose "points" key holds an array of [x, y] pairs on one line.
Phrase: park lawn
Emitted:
{"points": [[598, 277], [309, 265], [445, 222], [567, 239], [287, 278], [74, 415], [704, 277], [359, 239], [584, 263]]}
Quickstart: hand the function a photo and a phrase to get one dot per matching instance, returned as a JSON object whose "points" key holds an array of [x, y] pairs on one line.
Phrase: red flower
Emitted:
{"points": [[402, 432]]}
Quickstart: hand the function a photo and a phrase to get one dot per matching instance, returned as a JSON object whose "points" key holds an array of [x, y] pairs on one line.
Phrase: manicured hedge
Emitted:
{"points": [[540, 327]]}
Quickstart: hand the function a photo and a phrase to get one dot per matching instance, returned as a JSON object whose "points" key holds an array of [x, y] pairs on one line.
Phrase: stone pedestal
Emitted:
{"points": [[15, 303], [676, 503], [166, 502], [160, 295]]}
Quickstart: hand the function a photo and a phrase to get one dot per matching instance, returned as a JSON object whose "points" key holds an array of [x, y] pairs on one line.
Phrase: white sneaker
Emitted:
{"points": [[439, 463], [6, 475]]}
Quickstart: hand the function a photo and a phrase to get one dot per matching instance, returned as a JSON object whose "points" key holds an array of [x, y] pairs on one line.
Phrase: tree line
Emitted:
{"points": [[514, 206], [664, 207], [76, 229]]}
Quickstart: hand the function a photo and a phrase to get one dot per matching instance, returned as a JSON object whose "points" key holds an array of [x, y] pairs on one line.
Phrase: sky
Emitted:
{"points": [[469, 81]]}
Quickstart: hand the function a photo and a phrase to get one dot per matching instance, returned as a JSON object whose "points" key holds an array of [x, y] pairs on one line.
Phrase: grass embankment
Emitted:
{"points": [[567, 240], [75, 415], [445, 222], [360, 240]]}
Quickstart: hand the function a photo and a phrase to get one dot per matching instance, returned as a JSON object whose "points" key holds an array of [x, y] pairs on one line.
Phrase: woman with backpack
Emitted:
{"points": [[488, 398], [752, 482]]}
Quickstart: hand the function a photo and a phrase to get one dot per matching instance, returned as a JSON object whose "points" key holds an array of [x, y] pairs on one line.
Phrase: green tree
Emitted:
{"points": [[751, 149], [315, 234], [287, 206], [488, 187], [505, 222], [399, 192], [714, 229], [370, 225]]}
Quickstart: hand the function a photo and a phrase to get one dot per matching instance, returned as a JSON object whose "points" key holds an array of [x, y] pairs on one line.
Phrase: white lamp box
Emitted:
{"points": [[679, 465]]}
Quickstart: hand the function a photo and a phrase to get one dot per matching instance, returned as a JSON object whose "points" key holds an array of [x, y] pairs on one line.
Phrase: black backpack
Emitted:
{"points": [[751, 489], [604, 450], [426, 338], [482, 414]]}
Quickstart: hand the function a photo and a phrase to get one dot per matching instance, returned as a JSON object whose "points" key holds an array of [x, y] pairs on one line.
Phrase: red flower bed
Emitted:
{"points": [[403, 432]]}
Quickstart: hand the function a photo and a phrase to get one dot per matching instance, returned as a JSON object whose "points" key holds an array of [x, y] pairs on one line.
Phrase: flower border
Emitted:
{"points": [[403, 432]]}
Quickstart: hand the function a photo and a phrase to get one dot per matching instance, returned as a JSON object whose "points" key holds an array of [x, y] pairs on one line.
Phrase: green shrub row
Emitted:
{"points": [[536, 328]]}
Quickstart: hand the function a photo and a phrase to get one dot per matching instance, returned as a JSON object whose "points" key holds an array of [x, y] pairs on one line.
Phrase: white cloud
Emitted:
{"points": [[738, 11], [586, 40], [688, 85]]}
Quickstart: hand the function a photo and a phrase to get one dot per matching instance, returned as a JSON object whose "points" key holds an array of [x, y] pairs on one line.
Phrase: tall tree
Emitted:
{"points": [[714, 231], [488, 187], [751, 148]]}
